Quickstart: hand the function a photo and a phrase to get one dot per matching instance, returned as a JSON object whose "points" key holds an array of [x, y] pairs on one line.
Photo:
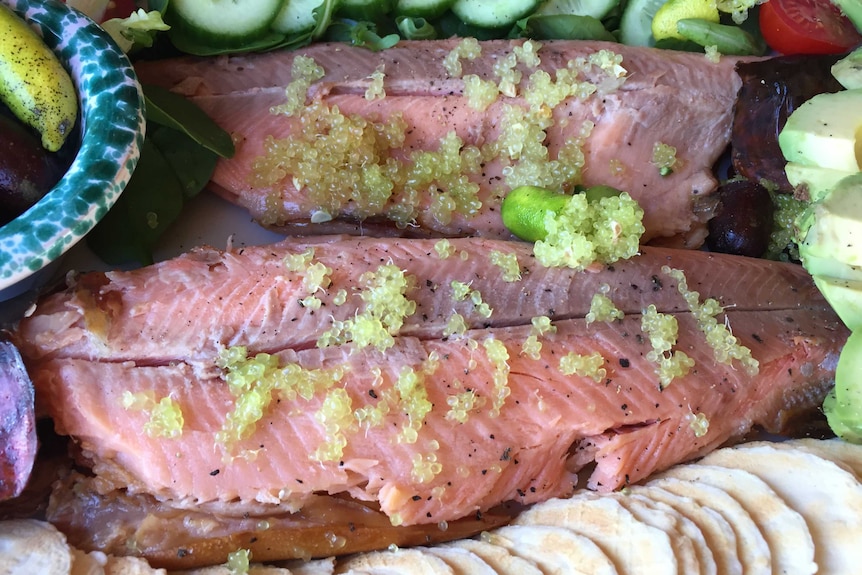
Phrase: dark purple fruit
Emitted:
{"points": [[743, 220], [17, 423], [27, 170]]}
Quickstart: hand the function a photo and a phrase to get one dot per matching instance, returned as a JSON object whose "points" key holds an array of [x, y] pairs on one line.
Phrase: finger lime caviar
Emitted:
{"points": [[601, 225], [602, 308], [253, 381], [663, 331], [346, 163], [725, 346], [165, 416]]}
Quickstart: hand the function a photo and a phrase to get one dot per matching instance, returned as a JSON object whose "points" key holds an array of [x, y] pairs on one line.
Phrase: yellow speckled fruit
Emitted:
{"points": [[665, 19], [33, 83]]}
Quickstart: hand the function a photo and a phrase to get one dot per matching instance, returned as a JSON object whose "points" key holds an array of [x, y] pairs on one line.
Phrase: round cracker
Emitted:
{"points": [[462, 561], [746, 502], [717, 531], [139, 566], [323, 566], [692, 552], [836, 450], [84, 563], [555, 550], [633, 546], [127, 566], [412, 561], [32, 546], [826, 495], [503, 562]]}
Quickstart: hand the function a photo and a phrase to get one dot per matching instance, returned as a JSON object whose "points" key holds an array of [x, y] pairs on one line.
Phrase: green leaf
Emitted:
{"points": [[323, 17], [152, 200], [731, 40], [362, 34], [192, 164], [565, 27], [136, 31], [174, 111]]}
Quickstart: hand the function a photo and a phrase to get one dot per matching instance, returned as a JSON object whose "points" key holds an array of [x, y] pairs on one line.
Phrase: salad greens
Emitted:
{"points": [[417, 28], [178, 157], [629, 21], [137, 30]]}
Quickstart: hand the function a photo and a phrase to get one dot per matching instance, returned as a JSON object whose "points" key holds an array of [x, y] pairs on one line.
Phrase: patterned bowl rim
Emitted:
{"points": [[112, 122]]}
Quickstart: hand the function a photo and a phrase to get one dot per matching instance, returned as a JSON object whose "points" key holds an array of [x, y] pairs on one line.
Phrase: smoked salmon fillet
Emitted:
{"points": [[421, 375], [644, 98]]}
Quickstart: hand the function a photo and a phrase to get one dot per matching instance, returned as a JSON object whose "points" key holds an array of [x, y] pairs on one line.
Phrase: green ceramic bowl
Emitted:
{"points": [[112, 123]]}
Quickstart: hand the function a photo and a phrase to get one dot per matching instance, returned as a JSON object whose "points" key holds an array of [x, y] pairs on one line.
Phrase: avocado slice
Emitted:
{"points": [[843, 405], [816, 181], [824, 131], [832, 248], [848, 70], [828, 268], [836, 228], [845, 297]]}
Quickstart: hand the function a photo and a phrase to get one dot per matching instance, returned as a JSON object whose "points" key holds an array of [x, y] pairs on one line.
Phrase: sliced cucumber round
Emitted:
{"points": [[493, 13], [429, 9], [223, 22], [595, 8], [296, 16], [636, 22], [365, 10]]}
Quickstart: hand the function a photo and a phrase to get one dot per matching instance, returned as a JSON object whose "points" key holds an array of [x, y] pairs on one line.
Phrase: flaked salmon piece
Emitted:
{"points": [[252, 299], [432, 426], [453, 468], [673, 98]]}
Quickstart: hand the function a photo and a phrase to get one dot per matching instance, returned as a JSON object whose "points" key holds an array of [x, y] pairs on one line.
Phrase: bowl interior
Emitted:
{"points": [[112, 124]]}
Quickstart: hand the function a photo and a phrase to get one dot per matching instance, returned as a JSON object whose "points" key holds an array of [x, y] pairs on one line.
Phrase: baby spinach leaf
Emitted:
{"points": [[192, 164], [177, 160], [151, 201], [174, 111], [731, 40]]}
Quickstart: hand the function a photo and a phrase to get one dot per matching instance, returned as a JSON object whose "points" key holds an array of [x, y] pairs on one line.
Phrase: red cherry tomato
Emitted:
{"points": [[806, 27]]}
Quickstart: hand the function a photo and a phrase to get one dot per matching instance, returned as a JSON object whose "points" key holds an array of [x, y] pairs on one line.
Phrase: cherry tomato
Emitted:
{"points": [[806, 27]]}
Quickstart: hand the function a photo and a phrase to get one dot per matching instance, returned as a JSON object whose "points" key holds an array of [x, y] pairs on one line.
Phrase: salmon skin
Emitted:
{"points": [[435, 422], [677, 99]]}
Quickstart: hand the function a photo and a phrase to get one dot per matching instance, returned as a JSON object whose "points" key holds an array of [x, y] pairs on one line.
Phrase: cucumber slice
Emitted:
{"points": [[223, 22], [595, 8], [493, 13], [636, 22], [451, 26], [417, 28], [296, 16], [365, 10], [422, 8]]}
